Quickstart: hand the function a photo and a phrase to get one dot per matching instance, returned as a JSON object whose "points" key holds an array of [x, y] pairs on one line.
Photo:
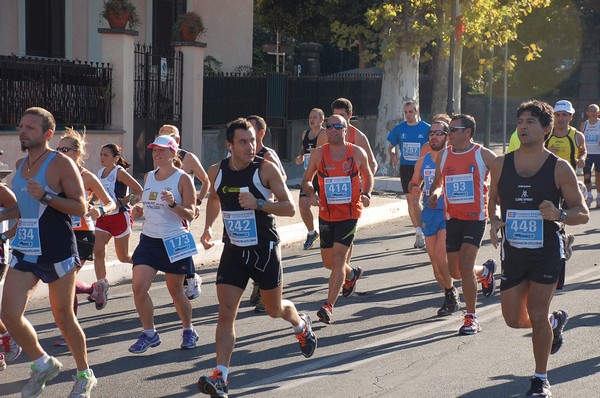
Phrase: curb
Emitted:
{"points": [[289, 234]]}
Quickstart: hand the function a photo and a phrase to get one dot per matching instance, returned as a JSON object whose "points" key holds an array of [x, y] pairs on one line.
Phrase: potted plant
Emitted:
{"points": [[188, 27], [119, 12]]}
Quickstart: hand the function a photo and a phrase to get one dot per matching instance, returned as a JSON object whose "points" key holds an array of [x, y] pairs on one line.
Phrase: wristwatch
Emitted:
{"points": [[172, 205], [3, 238], [46, 199], [563, 216], [260, 203]]}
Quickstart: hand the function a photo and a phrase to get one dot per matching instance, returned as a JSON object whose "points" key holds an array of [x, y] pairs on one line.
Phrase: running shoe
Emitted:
{"points": [[144, 342], [470, 326], [310, 240], [419, 241], [488, 284], [189, 339], [260, 307], [350, 284], [325, 313], [39, 378], [213, 385], [589, 199], [2, 362], [93, 295], [451, 303], [101, 288], [569, 240], [83, 385], [193, 287], [562, 317], [539, 388], [307, 338], [10, 348], [61, 342], [255, 296]]}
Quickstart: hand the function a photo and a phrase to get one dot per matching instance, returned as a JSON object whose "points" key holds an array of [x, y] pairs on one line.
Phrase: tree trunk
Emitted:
{"points": [[458, 78], [400, 84], [441, 62]]}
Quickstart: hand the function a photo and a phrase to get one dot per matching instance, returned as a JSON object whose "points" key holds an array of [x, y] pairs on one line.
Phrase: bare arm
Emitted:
{"points": [[363, 142], [581, 154], [269, 156], [391, 149], [362, 161], [136, 188], [494, 201], [186, 208], [435, 190], [300, 157], [8, 200], [566, 181], [93, 184], [414, 185], [63, 177], [283, 204], [309, 174], [213, 208], [193, 164]]}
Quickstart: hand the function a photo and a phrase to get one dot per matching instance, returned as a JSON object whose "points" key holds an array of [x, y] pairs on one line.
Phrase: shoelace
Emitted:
{"points": [[302, 338], [469, 321]]}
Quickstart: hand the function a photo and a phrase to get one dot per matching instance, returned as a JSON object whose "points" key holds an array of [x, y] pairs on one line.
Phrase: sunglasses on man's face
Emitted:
{"points": [[437, 133], [65, 149], [456, 128], [337, 126]]}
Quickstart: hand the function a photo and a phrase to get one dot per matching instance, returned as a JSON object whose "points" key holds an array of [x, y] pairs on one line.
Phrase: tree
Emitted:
{"points": [[400, 29]]}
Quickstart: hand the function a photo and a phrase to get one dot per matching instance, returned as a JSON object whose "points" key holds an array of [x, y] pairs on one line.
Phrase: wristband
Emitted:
{"points": [[101, 211], [198, 201], [368, 195], [563, 216]]}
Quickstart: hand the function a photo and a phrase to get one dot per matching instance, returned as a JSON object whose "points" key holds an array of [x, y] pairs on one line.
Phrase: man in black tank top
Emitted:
{"points": [[528, 185], [251, 244]]}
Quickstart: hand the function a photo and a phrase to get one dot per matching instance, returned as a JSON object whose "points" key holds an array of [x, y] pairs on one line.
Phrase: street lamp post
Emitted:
{"points": [[450, 102]]}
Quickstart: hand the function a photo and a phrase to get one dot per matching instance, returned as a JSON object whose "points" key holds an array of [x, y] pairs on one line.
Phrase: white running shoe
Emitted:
{"points": [[193, 287]]}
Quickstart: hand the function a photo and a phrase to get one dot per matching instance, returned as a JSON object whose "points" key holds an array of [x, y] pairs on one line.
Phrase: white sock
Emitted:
{"points": [[298, 329], [149, 332], [485, 272], [224, 371], [418, 231], [191, 327], [311, 233], [543, 376], [41, 362], [553, 321]]}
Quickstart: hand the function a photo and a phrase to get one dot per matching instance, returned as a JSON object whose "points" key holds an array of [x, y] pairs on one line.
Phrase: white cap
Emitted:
{"points": [[565, 106]]}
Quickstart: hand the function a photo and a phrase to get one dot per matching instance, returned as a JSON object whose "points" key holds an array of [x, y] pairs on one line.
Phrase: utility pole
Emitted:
{"points": [[450, 102]]}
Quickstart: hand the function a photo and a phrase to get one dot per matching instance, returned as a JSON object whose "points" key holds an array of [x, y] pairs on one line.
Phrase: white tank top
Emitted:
{"points": [[592, 137], [160, 220]]}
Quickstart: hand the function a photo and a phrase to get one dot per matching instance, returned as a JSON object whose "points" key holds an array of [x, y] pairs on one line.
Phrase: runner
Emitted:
{"points": [[433, 223], [117, 223], [338, 164], [11, 350], [239, 189], [72, 144], [48, 188], [191, 165], [166, 243], [528, 185], [462, 169], [311, 139]]}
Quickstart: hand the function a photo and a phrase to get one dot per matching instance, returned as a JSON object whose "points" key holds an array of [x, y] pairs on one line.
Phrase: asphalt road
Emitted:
{"points": [[386, 340]]}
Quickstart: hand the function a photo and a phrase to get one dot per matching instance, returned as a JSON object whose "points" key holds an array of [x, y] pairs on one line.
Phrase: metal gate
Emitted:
{"points": [[276, 115], [157, 98]]}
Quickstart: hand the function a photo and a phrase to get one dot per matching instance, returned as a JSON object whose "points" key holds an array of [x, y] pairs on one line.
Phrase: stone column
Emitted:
{"points": [[118, 49], [193, 86]]}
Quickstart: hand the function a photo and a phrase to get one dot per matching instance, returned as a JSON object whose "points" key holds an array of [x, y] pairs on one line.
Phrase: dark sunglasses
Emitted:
{"points": [[337, 126], [437, 133], [456, 128], [65, 149]]}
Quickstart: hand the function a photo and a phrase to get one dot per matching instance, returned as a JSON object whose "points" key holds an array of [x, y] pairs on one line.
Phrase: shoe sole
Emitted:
{"points": [[324, 317], [493, 289], [207, 388]]}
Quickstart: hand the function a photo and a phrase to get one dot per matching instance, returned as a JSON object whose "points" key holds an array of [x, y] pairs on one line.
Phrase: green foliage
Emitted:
{"points": [[192, 22], [212, 66], [119, 7]]}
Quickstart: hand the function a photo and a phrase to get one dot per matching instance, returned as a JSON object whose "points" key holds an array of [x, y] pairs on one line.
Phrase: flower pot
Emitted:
{"points": [[117, 21], [188, 33]]}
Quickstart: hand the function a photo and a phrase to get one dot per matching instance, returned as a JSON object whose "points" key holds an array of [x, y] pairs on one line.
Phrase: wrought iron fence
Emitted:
{"points": [[77, 93], [158, 83], [228, 96]]}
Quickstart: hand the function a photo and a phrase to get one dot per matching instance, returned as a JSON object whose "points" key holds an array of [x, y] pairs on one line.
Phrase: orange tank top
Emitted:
{"points": [[339, 185], [463, 176]]}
